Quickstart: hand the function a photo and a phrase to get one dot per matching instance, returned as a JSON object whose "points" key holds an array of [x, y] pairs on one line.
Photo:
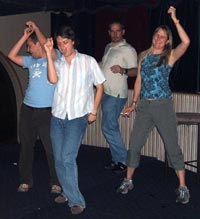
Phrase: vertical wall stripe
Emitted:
{"points": [[187, 134]]}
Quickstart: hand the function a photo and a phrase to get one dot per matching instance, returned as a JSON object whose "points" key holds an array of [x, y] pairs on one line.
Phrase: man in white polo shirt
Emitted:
{"points": [[119, 62]]}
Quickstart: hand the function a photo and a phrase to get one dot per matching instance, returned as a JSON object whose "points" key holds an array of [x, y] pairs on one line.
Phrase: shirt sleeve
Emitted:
{"points": [[59, 54], [131, 58], [26, 61], [98, 75]]}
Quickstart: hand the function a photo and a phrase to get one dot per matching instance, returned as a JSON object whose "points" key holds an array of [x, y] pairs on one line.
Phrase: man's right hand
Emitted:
{"points": [[27, 32]]}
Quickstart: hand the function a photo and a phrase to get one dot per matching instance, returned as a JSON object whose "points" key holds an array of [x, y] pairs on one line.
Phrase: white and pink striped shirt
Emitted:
{"points": [[74, 93]]}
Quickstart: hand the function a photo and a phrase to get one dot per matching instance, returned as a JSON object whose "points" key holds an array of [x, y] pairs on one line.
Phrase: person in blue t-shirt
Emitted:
{"points": [[155, 107], [35, 111]]}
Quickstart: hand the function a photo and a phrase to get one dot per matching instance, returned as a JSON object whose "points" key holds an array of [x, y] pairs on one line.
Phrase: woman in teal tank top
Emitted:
{"points": [[153, 99]]}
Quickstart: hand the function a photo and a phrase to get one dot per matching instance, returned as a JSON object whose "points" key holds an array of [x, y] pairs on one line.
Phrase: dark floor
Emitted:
{"points": [[152, 198]]}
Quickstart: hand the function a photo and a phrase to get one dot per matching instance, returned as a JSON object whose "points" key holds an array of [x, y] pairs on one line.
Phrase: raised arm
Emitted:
{"points": [[185, 41], [52, 76], [13, 54], [41, 37]]}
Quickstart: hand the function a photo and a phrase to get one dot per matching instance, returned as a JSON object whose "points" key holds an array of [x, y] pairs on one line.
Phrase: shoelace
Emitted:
{"points": [[182, 193], [124, 185]]}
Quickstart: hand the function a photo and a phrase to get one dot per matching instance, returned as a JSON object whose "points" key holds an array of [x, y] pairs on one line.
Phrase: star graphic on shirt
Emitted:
{"points": [[37, 73]]}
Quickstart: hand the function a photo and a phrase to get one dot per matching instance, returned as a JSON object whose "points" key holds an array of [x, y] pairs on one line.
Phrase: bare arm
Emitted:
{"points": [[137, 88], [41, 37], [13, 54], [52, 76], [185, 41], [97, 101], [136, 93], [132, 72]]}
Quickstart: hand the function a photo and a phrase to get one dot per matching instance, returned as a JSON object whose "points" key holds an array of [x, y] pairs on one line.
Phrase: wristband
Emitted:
{"points": [[125, 71]]}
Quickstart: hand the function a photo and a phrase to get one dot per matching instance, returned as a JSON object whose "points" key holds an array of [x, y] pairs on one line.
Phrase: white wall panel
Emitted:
{"points": [[187, 134]]}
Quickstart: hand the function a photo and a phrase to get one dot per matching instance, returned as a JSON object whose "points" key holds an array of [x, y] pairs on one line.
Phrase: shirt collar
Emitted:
{"points": [[76, 55], [122, 43]]}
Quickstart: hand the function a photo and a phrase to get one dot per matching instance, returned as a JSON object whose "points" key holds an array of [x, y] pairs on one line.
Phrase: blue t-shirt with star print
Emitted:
{"points": [[40, 91]]}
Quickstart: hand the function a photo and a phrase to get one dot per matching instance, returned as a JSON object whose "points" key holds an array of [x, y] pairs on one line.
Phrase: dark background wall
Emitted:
{"points": [[8, 108], [140, 20]]}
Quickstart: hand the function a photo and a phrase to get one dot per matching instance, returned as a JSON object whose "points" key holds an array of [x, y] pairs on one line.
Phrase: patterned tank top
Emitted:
{"points": [[155, 80]]}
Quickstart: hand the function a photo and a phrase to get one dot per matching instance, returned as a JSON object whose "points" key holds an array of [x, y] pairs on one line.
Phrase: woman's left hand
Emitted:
{"points": [[172, 12]]}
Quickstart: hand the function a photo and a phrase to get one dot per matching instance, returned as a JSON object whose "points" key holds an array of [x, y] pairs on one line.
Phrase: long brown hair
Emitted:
{"points": [[164, 58]]}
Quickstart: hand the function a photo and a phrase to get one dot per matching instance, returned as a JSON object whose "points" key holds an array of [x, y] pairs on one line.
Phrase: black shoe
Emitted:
{"points": [[119, 168], [110, 166]]}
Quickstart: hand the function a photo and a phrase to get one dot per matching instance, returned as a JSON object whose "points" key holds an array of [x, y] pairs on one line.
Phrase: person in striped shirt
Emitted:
{"points": [[74, 106]]}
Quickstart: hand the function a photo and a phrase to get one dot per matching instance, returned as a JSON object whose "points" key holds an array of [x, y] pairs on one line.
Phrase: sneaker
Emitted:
{"points": [[76, 209], [183, 195], [125, 186], [119, 168], [110, 166], [60, 199]]}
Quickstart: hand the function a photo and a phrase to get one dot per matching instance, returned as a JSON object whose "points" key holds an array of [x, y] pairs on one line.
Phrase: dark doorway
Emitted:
{"points": [[8, 108]]}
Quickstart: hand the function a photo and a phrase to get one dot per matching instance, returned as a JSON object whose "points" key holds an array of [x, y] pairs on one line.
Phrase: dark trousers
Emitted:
{"points": [[34, 122]]}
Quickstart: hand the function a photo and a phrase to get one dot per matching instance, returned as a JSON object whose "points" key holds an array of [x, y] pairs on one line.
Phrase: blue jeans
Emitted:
{"points": [[111, 109], [66, 137]]}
